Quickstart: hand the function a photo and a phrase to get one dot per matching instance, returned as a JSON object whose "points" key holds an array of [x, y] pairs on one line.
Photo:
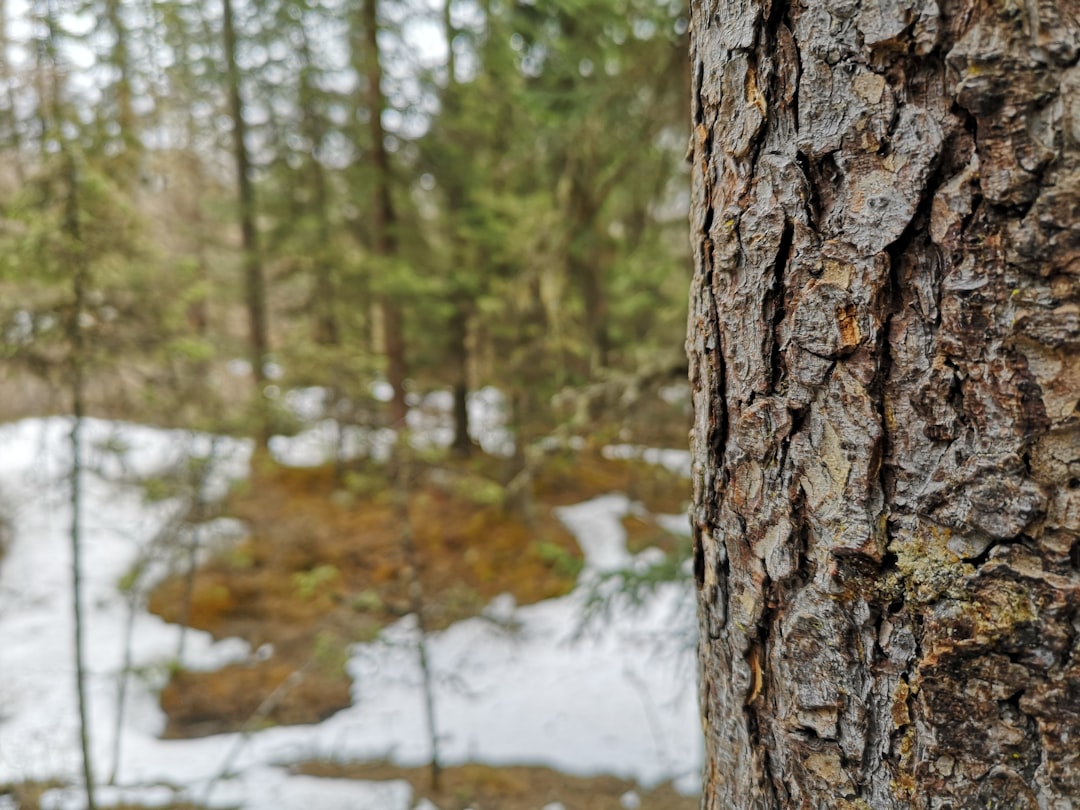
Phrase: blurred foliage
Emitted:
{"points": [[534, 168]]}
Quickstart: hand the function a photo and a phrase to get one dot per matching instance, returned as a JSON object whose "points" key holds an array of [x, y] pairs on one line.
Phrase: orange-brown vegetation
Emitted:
{"points": [[199, 703], [642, 532], [484, 787], [567, 478], [323, 567]]}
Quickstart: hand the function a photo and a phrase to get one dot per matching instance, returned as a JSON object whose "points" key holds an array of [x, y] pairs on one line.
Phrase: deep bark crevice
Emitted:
{"points": [[699, 105], [699, 561], [776, 299], [812, 202]]}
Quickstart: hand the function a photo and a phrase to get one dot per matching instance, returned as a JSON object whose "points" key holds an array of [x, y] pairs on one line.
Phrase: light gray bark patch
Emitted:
{"points": [[1070, 112], [742, 105], [839, 458], [1058, 327], [1055, 458], [934, 401], [836, 100], [1052, 30], [887, 20], [761, 226], [763, 429], [711, 88], [983, 492], [881, 192], [736, 22], [953, 203], [826, 322], [814, 665], [823, 701], [826, 31], [757, 466], [806, 372], [1001, 509]]}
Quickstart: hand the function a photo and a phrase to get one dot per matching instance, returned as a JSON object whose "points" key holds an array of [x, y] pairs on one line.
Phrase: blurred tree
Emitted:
{"points": [[254, 279], [535, 173], [384, 240]]}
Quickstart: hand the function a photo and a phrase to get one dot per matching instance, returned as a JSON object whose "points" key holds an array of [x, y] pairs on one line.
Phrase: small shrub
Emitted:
{"points": [[561, 561], [367, 601], [309, 583]]}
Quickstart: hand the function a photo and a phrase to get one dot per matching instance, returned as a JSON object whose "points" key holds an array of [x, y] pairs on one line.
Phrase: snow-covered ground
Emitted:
{"points": [[522, 685]]}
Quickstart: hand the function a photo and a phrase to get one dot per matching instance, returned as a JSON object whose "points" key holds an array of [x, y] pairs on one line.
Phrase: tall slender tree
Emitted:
{"points": [[384, 237], [73, 257], [254, 277]]}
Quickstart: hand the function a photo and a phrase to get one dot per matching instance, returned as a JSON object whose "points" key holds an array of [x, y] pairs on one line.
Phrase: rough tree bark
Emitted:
{"points": [[383, 216], [885, 357]]}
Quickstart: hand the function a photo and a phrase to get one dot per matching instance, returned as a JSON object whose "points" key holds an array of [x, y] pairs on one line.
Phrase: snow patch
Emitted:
{"points": [[517, 685]]}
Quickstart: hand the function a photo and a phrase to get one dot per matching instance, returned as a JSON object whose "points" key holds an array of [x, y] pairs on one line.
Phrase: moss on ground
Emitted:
{"points": [[323, 567], [484, 787]]}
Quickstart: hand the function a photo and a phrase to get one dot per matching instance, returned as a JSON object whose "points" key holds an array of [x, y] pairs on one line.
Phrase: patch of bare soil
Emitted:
{"points": [[643, 531], [324, 567], [484, 787], [27, 796], [571, 477]]}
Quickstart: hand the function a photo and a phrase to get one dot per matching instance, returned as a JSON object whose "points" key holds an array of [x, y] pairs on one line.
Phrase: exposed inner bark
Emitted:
{"points": [[884, 327]]}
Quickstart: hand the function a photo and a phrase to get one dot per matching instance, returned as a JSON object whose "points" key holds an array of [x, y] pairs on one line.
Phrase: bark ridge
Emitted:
{"points": [[884, 334]]}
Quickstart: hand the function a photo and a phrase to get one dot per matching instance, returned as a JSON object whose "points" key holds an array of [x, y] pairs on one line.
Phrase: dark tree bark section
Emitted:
{"points": [[884, 335]]}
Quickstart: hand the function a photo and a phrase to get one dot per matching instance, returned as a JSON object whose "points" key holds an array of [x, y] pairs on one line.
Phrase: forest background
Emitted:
{"points": [[331, 193]]}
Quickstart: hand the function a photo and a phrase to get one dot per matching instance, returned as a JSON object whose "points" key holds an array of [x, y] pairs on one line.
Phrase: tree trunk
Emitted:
{"points": [[461, 296], [254, 281], [383, 220], [51, 113], [458, 337], [884, 327], [325, 293]]}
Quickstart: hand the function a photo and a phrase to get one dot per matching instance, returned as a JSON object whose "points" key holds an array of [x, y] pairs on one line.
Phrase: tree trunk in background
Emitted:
{"points": [[327, 331], [77, 381], [254, 283], [457, 201], [458, 336], [125, 168], [383, 219], [884, 336], [52, 119]]}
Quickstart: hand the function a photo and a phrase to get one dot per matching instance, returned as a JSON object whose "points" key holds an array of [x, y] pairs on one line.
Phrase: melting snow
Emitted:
{"points": [[517, 685]]}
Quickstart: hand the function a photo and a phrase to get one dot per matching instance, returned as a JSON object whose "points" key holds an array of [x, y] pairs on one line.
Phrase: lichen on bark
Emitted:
{"points": [[884, 335]]}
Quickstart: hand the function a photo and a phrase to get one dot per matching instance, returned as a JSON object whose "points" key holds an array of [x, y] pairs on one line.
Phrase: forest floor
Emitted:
{"points": [[317, 587], [485, 787], [323, 567], [479, 787]]}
